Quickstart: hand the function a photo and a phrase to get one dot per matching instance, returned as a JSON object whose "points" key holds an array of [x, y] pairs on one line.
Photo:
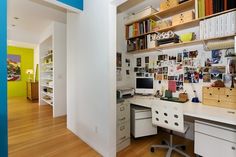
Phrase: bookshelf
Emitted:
{"points": [[188, 5], [52, 69], [169, 46]]}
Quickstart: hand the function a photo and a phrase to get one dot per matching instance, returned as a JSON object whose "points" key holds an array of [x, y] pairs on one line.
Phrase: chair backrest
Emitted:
{"points": [[168, 115]]}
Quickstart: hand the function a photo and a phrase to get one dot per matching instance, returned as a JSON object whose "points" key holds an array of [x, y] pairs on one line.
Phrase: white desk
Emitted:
{"points": [[197, 110]]}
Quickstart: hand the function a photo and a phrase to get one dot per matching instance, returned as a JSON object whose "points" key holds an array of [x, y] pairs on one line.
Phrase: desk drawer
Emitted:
{"points": [[143, 114], [123, 132], [217, 131], [210, 96], [209, 146], [123, 112], [230, 91]]}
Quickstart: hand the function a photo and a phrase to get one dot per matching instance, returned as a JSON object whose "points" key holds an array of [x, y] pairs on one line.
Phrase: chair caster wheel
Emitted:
{"points": [[183, 147], [163, 143], [152, 149]]}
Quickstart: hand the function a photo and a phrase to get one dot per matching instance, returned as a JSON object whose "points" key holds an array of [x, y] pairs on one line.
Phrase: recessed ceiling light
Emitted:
{"points": [[16, 18]]}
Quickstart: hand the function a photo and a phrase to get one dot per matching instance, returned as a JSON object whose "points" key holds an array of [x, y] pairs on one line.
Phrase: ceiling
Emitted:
{"points": [[34, 16]]}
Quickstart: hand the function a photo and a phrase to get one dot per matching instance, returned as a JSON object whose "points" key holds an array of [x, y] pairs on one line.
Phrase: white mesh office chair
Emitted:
{"points": [[169, 115]]}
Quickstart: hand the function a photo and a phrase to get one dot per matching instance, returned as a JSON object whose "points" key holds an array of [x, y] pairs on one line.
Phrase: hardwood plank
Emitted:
{"points": [[33, 132], [141, 147]]}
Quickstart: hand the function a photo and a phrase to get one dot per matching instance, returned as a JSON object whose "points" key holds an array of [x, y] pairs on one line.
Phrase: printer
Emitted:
{"points": [[124, 92]]}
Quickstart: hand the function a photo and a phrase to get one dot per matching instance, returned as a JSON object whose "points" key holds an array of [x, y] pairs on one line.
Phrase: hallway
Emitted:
{"points": [[32, 132]]}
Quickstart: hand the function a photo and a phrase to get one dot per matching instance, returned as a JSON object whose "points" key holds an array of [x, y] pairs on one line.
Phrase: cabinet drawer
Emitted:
{"points": [[143, 114], [207, 89], [230, 91], [219, 91], [123, 132], [143, 127], [228, 98], [182, 17], [168, 4], [212, 102], [217, 131], [210, 95], [209, 146], [123, 112]]}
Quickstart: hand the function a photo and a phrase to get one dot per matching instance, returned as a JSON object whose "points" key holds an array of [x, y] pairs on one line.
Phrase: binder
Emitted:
{"points": [[231, 4], [207, 7]]}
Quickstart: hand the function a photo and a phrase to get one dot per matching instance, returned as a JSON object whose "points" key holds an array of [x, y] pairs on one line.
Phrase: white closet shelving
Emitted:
{"points": [[53, 68]]}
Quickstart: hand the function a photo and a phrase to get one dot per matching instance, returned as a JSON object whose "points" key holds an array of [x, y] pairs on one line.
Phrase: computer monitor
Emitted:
{"points": [[144, 85]]}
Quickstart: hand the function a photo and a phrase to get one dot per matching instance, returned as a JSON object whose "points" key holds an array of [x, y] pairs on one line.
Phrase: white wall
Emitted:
{"points": [[121, 47], [91, 75]]}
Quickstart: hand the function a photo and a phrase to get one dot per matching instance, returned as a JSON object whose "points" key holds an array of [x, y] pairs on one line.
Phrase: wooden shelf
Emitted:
{"points": [[171, 11], [169, 46], [44, 85], [176, 9], [189, 24], [50, 95]]}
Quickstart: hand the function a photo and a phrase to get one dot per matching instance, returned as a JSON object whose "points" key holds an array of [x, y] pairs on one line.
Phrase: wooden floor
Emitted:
{"points": [[34, 133], [141, 147]]}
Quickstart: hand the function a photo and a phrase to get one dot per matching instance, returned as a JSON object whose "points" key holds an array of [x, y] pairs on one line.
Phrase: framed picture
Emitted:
{"points": [[118, 60], [13, 67]]}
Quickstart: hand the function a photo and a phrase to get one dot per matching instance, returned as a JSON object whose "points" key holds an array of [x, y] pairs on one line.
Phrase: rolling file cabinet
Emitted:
{"points": [[212, 140], [141, 122], [123, 125]]}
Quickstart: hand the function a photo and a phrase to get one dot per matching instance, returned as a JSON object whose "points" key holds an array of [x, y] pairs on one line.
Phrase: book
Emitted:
{"points": [[210, 7], [207, 7], [201, 8], [231, 4]]}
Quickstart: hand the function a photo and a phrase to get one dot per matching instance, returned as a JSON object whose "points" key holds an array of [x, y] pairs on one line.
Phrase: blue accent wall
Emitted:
{"points": [[3, 79], [74, 3]]}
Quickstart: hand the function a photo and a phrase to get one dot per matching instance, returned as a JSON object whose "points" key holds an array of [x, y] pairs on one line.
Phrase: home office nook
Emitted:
{"points": [[176, 68]]}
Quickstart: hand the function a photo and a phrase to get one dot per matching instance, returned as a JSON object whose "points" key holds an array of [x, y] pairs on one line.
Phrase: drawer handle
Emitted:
{"points": [[123, 138], [122, 128], [207, 87], [210, 94], [227, 95], [218, 100], [122, 108], [231, 89], [122, 118], [233, 148], [218, 88]]}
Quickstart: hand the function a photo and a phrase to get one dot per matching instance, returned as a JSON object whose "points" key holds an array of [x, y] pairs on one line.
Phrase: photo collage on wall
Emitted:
{"points": [[183, 67]]}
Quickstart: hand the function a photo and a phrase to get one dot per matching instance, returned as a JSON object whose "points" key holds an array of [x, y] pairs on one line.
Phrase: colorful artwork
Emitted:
{"points": [[13, 68]]}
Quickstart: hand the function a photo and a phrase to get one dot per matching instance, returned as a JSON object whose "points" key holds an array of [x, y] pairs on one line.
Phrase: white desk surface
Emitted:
{"points": [[197, 110]]}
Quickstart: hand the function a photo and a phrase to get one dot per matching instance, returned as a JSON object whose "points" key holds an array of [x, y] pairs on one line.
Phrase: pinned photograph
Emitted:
{"points": [[207, 77], [185, 55], [216, 56], [193, 54], [139, 62], [179, 57]]}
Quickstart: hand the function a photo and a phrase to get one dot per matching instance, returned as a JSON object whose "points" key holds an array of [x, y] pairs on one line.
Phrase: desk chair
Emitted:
{"points": [[169, 115]]}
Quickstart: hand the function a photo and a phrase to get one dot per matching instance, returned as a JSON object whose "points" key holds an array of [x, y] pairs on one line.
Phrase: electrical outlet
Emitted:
{"points": [[96, 129]]}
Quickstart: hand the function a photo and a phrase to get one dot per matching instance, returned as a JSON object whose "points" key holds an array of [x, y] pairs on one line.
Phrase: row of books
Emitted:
{"points": [[140, 28], [146, 42], [218, 26], [209, 7]]}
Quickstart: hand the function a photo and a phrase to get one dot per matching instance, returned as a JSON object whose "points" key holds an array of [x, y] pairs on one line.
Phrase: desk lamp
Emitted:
{"points": [[29, 72]]}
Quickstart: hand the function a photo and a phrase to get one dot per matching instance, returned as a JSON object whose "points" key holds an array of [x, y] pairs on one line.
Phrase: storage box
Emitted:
{"points": [[167, 4], [139, 15], [183, 17], [220, 97], [162, 24]]}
